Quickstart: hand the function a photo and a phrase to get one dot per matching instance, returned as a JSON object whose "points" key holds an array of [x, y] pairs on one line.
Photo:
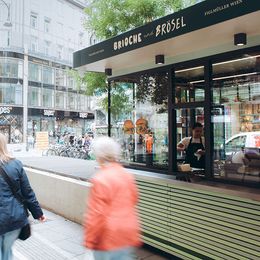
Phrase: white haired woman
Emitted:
{"points": [[112, 228], [12, 213]]}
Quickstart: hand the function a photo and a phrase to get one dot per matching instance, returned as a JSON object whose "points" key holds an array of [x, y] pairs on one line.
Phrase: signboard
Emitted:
{"points": [[83, 114], [196, 17], [5, 110], [47, 112], [42, 140]]}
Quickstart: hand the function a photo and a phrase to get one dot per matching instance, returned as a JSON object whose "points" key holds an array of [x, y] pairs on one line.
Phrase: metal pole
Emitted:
{"points": [[25, 98], [25, 86], [109, 108]]}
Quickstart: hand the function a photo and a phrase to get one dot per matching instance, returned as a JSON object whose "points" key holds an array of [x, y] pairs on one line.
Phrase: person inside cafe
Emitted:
{"points": [[194, 147]]}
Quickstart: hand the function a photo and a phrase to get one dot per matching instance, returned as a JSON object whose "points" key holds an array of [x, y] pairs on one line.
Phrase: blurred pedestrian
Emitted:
{"points": [[12, 213], [112, 227]]}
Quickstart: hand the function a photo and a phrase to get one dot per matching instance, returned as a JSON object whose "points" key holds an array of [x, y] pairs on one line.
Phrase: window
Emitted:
{"points": [[33, 20], [72, 98], [48, 75], [189, 85], [59, 51], [11, 94], [60, 99], [60, 78], [34, 96], [236, 116], [9, 68], [47, 98], [47, 22], [34, 73], [71, 83], [34, 44], [139, 116], [81, 102], [47, 48]]}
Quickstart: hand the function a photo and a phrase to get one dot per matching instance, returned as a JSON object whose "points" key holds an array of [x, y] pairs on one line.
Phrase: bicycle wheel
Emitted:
{"points": [[51, 152], [64, 154]]}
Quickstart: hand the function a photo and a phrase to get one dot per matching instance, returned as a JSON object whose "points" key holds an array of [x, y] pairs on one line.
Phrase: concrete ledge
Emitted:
{"points": [[62, 195]]}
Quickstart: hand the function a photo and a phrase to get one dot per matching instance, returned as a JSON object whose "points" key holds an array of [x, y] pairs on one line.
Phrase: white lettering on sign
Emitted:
{"points": [[48, 112], [170, 26], [223, 7], [5, 110], [127, 41], [83, 115]]}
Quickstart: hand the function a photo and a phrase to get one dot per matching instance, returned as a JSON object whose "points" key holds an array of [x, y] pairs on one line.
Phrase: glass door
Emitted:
{"points": [[188, 130]]}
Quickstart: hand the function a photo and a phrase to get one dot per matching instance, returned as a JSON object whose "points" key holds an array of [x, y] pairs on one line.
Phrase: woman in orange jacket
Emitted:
{"points": [[112, 227]]}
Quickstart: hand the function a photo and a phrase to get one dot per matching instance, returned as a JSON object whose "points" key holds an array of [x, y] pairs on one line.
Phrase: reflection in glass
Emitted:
{"points": [[34, 73], [60, 99], [189, 85], [140, 119], [34, 96], [11, 94], [236, 118], [9, 68], [48, 75], [72, 98], [47, 97]]}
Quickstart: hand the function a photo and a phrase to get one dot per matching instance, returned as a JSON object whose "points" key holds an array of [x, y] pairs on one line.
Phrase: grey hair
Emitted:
{"points": [[106, 149]]}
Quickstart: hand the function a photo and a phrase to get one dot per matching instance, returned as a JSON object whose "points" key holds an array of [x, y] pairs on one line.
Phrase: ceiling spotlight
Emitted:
{"points": [[108, 71], [240, 39], [159, 59]]}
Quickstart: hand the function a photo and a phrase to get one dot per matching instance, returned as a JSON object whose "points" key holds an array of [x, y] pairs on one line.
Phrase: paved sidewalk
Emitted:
{"points": [[60, 239], [19, 150]]}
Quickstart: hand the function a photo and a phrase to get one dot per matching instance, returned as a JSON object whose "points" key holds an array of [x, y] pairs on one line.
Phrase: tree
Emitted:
{"points": [[109, 18]]}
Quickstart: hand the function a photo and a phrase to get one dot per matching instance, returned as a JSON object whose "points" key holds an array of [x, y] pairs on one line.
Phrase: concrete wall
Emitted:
{"points": [[62, 195]]}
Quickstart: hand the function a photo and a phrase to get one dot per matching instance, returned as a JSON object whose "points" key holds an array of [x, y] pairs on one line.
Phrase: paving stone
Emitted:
{"points": [[36, 248], [60, 239], [71, 247]]}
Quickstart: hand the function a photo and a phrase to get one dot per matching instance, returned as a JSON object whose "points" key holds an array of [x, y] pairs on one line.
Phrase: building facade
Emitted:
{"points": [[37, 91]]}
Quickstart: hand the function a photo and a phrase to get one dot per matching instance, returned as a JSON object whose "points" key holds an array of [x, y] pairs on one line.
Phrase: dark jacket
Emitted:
{"points": [[12, 213]]}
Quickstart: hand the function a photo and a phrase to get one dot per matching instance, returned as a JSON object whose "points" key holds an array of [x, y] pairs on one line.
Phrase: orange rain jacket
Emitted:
{"points": [[111, 220]]}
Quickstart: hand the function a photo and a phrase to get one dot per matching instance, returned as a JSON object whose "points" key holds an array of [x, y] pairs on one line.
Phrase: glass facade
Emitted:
{"points": [[72, 100], [226, 102], [48, 98], [140, 119], [189, 85], [41, 89], [9, 67], [35, 72], [236, 118], [61, 99], [11, 94], [48, 75], [35, 94]]}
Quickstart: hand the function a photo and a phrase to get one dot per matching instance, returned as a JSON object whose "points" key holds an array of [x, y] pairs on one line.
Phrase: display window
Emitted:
{"points": [[140, 119], [236, 118]]}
